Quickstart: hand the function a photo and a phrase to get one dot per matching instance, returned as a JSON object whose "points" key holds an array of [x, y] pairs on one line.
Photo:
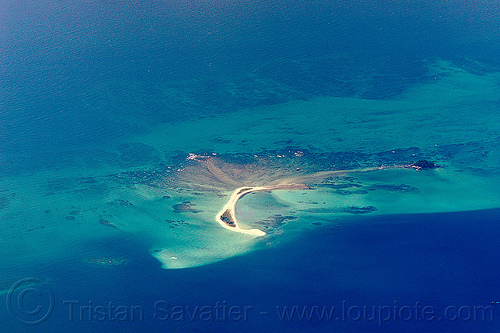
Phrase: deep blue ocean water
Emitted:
{"points": [[55, 55], [430, 260], [82, 74]]}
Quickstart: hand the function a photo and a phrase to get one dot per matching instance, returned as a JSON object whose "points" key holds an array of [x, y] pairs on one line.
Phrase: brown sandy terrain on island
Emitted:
{"points": [[221, 180], [273, 181]]}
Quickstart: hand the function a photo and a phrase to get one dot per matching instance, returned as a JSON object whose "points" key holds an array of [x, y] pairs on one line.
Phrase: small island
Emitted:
{"points": [[424, 165], [227, 217]]}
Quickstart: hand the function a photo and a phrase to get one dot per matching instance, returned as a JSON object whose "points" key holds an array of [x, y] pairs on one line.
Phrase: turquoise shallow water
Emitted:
{"points": [[101, 103], [438, 260]]}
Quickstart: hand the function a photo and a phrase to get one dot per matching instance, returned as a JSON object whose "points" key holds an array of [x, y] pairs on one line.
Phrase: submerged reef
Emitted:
{"points": [[202, 171], [359, 210], [274, 222], [185, 207], [107, 223], [107, 261], [424, 165]]}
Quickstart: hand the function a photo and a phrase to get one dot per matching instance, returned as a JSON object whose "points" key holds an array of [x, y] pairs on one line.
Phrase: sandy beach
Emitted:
{"points": [[227, 216]]}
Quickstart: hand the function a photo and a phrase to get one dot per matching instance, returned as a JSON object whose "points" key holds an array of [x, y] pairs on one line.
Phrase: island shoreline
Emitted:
{"points": [[227, 215]]}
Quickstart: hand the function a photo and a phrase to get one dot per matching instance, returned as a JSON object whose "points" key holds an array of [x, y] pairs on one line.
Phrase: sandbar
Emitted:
{"points": [[227, 216]]}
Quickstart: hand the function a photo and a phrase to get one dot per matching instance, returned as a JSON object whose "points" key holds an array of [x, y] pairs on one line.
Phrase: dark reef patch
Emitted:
{"points": [[107, 261], [150, 178], [176, 223], [75, 184], [107, 223], [401, 188], [220, 140], [275, 221], [185, 207], [120, 202], [424, 165], [359, 210]]}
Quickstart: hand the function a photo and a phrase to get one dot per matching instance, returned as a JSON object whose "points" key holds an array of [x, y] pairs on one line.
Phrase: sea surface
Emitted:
{"points": [[107, 224]]}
